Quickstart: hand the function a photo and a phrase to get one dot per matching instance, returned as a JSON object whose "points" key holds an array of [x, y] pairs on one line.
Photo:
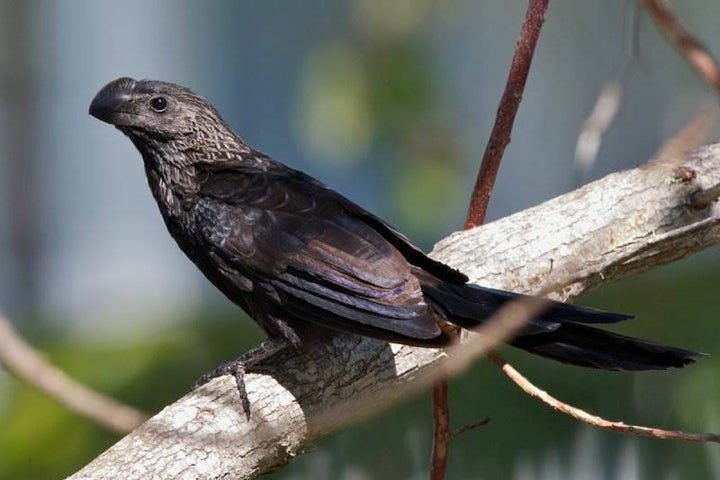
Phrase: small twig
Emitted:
{"points": [[594, 420], [27, 365], [695, 53], [470, 426], [505, 117], [704, 198], [600, 119], [441, 430], [480, 197]]}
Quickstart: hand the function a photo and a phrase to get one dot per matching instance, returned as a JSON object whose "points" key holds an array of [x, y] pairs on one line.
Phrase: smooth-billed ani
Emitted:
{"points": [[288, 250]]}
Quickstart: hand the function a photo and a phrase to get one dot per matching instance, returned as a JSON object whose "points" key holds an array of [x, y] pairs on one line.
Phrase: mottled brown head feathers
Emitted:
{"points": [[166, 121]]}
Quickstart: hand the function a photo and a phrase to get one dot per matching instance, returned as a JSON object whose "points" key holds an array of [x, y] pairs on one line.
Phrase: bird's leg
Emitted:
{"points": [[238, 367]]}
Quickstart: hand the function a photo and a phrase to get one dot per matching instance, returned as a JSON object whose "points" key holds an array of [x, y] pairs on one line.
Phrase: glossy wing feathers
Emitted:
{"points": [[324, 262]]}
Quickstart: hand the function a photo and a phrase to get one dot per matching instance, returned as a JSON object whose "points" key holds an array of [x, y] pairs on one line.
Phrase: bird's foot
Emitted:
{"points": [[237, 369], [239, 366]]}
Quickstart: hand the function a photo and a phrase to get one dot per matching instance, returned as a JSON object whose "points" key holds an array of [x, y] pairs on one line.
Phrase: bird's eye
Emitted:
{"points": [[159, 104]]}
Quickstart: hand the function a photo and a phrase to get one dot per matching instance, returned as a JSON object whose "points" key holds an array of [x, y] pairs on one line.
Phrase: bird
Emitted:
{"points": [[291, 252]]}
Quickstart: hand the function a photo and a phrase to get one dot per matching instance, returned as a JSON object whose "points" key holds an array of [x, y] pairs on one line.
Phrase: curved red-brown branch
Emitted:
{"points": [[694, 52]]}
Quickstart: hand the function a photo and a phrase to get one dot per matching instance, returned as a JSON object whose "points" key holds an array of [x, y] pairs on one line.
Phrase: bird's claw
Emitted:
{"points": [[239, 366], [236, 368]]}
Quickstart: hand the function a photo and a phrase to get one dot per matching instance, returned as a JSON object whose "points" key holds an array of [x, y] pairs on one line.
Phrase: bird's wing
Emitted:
{"points": [[312, 252]]}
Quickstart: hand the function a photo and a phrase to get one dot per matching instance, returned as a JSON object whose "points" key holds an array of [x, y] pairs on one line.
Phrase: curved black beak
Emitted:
{"points": [[113, 103]]}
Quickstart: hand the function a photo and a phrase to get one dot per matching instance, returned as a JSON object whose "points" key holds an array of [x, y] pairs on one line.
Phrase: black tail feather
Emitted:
{"points": [[560, 332], [471, 304], [590, 347]]}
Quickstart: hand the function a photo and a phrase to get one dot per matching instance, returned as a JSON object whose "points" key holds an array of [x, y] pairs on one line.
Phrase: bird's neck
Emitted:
{"points": [[172, 186], [175, 170]]}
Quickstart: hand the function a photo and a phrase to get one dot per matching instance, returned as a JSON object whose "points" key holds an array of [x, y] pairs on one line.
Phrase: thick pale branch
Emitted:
{"points": [[617, 226]]}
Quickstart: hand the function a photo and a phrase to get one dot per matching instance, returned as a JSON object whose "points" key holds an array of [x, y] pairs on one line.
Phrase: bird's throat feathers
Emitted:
{"points": [[173, 164]]}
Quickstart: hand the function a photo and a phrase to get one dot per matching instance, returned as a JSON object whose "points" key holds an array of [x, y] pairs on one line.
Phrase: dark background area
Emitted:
{"points": [[391, 104]]}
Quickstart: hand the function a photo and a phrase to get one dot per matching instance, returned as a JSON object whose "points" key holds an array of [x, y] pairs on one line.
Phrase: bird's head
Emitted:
{"points": [[162, 118]]}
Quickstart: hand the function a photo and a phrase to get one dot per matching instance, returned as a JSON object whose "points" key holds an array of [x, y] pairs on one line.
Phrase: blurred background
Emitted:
{"points": [[390, 103]]}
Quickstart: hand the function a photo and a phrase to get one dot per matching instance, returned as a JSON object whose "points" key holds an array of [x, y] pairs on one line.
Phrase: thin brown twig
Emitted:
{"points": [[470, 426], [480, 197], [26, 364], [441, 430], [595, 420], [505, 117], [673, 28]]}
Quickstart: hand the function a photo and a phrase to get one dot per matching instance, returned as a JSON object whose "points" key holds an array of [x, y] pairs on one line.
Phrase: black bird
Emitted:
{"points": [[290, 251]]}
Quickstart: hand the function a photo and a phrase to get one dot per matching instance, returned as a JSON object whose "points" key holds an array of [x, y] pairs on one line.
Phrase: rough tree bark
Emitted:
{"points": [[620, 225]]}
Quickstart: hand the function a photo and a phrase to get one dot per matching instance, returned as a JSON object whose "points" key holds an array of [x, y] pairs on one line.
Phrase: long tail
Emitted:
{"points": [[559, 333]]}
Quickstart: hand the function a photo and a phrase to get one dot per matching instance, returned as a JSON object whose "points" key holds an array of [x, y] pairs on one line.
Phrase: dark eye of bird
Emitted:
{"points": [[159, 104]]}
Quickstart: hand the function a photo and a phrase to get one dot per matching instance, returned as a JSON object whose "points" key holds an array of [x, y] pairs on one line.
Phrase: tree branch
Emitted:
{"points": [[480, 197], [694, 52], [620, 225], [27, 365], [442, 434], [505, 117], [594, 420]]}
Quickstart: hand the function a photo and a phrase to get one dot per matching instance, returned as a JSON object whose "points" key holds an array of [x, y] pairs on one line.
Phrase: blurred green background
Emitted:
{"points": [[391, 104]]}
